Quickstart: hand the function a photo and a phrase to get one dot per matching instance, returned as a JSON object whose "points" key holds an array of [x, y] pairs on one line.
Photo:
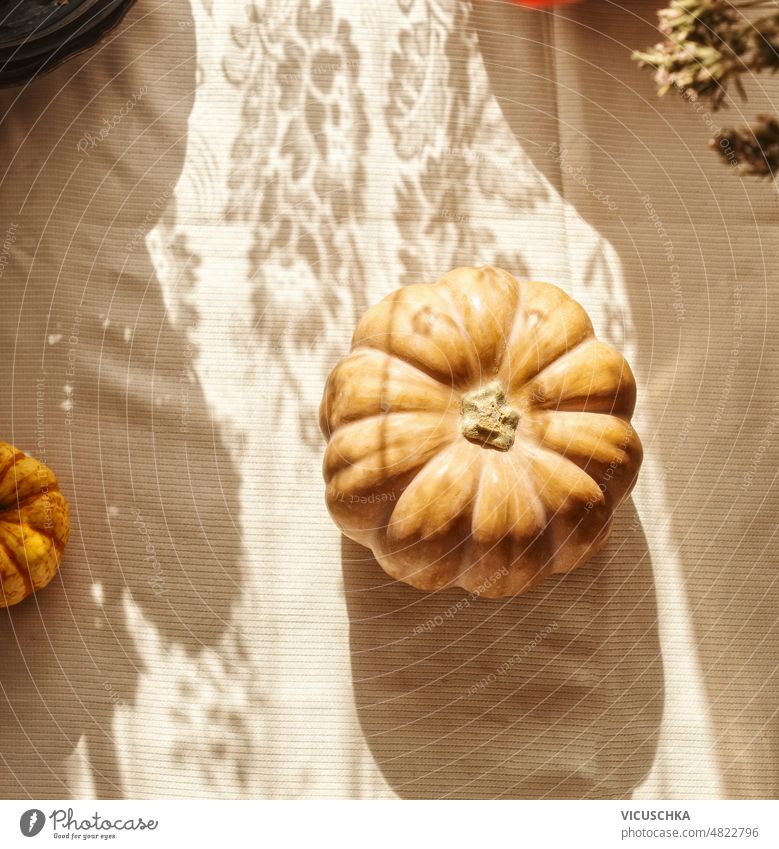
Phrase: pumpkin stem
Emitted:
{"points": [[487, 418]]}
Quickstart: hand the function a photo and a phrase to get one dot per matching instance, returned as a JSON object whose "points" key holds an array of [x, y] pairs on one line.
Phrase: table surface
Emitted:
{"points": [[194, 216]]}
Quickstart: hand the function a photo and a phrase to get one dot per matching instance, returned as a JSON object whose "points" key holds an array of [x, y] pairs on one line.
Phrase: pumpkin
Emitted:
{"points": [[34, 525], [478, 434]]}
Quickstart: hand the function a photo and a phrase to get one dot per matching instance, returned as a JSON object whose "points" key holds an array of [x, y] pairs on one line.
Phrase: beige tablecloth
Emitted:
{"points": [[193, 217]]}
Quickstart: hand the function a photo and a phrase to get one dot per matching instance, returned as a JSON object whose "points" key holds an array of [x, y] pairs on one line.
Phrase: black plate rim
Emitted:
{"points": [[82, 8]]}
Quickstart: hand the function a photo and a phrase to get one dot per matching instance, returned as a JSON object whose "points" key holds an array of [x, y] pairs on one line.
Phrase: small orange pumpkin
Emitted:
{"points": [[479, 434], [34, 525]]}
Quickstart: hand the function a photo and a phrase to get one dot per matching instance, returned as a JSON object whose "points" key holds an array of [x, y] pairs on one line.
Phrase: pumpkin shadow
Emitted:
{"points": [[557, 693], [98, 381]]}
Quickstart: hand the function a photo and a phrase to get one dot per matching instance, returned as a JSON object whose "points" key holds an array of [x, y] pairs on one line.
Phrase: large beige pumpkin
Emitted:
{"points": [[34, 525], [479, 434]]}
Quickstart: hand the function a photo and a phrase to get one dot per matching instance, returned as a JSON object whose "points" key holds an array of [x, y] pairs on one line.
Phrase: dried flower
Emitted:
{"points": [[751, 150], [702, 49], [709, 45]]}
